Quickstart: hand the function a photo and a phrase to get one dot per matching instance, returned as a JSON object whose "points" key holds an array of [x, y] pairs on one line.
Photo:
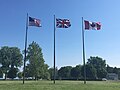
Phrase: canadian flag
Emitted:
{"points": [[92, 25]]}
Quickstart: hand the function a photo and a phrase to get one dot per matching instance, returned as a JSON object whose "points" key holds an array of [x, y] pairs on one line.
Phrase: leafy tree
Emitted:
{"points": [[5, 59], [76, 72], [109, 69], [1, 73], [65, 72], [115, 70], [90, 72], [20, 75], [12, 73], [37, 67], [10, 58], [45, 74], [112, 69], [28, 72], [16, 57], [119, 73], [99, 64], [15, 62], [51, 72]]}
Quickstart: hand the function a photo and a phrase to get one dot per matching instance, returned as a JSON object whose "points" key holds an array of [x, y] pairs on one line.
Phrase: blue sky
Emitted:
{"points": [[104, 43]]}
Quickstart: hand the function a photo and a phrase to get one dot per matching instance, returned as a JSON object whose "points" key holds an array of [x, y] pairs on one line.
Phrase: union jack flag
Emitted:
{"points": [[62, 23]]}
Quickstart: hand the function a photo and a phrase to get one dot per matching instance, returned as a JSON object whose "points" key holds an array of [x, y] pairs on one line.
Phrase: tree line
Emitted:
{"points": [[96, 69], [11, 60]]}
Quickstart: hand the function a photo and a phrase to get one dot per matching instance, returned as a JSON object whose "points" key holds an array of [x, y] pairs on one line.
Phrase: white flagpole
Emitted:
{"points": [[54, 50], [83, 51], [25, 48]]}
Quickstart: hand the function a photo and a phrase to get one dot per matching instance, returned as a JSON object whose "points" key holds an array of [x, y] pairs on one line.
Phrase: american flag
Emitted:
{"points": [[34, 22], [62, 23]]}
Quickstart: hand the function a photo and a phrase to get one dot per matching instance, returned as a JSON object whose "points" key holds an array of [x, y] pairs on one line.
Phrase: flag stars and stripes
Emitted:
{"points": [[34, 22]]}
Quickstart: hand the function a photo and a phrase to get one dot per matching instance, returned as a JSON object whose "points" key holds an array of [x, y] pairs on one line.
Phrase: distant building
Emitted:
{"points": [[112, 76]]}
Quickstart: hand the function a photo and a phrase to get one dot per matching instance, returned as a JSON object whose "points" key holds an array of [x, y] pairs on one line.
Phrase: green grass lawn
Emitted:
{"points": [[60, 85]]}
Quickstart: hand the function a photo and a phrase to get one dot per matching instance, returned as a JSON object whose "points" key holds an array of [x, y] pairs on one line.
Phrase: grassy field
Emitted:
{"points": [[60, 85]]}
